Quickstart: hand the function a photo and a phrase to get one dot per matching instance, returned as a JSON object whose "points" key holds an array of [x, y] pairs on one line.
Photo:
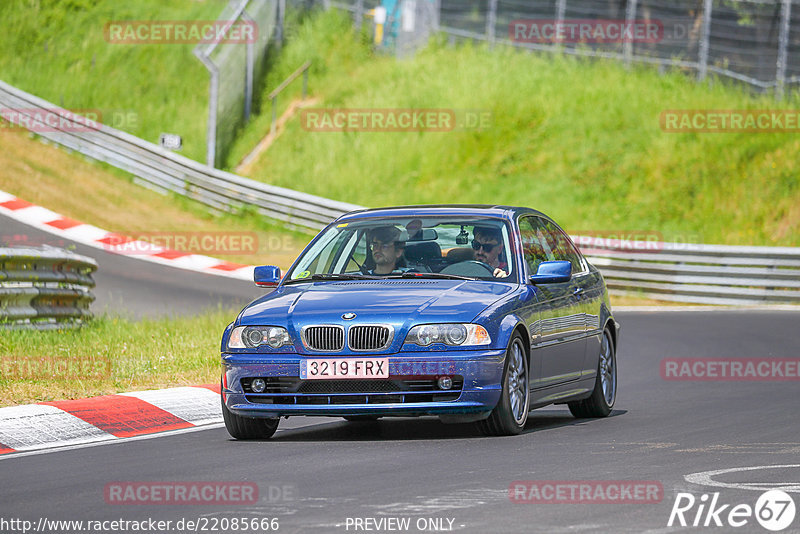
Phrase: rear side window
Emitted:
{"points": [[544, 241]]}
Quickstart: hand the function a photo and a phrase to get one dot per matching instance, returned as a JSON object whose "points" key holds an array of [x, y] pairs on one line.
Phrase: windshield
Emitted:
{"points": [[468, 248]]}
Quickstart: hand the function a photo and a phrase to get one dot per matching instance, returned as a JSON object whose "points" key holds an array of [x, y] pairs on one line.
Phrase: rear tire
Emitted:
{"points": [[511, 413], [248, 427], [604, 394]]}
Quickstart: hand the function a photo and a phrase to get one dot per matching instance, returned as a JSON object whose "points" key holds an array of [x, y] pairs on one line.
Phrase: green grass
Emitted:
{"points": [[111, 355], [575, 138], [56, 50]]}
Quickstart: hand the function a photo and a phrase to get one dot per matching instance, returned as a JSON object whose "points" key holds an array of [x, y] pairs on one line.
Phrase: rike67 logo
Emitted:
{"points": [[774, 510]]}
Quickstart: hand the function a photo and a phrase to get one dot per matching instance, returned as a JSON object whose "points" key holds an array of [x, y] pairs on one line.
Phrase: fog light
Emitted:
{"points": [[258, 385], [445, 382]]}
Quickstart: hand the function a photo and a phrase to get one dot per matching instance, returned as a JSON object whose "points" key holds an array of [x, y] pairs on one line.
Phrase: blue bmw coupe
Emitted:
{"points": [[470, 313]]}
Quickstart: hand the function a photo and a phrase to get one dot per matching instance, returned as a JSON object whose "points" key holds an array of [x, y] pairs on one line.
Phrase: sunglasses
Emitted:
{"points": [[486, 246], [377, 245]]}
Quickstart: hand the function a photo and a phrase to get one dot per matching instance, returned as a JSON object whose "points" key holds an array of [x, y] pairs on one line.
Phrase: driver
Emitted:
{"points": [[387, 247], [487, 244]]}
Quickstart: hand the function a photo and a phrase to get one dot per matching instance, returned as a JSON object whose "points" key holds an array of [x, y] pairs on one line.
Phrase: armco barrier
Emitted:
{"points": [[164, 170], [706, 274], [44, 287], [710, 274]]}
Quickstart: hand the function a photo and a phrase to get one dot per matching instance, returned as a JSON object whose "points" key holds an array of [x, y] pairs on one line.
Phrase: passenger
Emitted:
{"points": [[387, 248], [487, 244]]}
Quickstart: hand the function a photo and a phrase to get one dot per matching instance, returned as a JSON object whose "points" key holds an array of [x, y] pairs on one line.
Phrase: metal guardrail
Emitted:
{"points": [[164, 170], [711, 274], [706, 274], [44, 288]]}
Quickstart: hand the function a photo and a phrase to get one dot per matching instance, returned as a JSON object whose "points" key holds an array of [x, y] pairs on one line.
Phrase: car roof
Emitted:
{"points": [[479, 210]]}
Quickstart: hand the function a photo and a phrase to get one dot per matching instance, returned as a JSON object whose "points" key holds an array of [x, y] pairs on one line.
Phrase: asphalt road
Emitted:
{"points": [[131, 287], [316, 473]]}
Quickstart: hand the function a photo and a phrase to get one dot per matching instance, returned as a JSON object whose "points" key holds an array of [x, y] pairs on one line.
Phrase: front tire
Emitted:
{"points": [[511, 413], [247, 427], [604, 395]]}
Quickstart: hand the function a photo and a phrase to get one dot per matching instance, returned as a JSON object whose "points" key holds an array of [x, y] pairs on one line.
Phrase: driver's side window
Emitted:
{"points": [[359, 256]]}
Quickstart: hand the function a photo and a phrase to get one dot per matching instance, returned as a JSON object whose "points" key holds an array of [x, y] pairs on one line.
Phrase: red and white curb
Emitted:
{"points": [[107, 418], [86, 234]]}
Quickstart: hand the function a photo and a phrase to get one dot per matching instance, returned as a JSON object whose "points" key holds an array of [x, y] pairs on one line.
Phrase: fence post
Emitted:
{"points": [[213, 99], [561, 9], [702, 59], [491, 22], [783, 49], [248, 80], [273, 125], [280, 22], [359, 14], [630, 16], [250, 65], [213, 95]]}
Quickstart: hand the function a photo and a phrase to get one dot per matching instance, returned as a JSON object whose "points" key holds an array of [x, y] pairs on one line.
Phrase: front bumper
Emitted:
{"points": [[481, 371]]}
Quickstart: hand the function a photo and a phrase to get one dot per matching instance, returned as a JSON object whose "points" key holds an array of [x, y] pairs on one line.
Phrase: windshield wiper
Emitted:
{"points": [[342, 276], [332, 276], [431, 275]]}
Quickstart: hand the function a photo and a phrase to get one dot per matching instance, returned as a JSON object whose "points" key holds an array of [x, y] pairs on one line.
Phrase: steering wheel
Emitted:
{"points": [[469, 268]]}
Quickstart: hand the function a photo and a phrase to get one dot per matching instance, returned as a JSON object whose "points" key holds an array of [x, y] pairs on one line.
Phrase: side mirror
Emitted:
{"points": [[552, 272], [267, 276]]}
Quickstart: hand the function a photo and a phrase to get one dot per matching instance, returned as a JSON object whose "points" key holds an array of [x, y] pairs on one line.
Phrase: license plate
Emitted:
{"points": [[330, 369]]}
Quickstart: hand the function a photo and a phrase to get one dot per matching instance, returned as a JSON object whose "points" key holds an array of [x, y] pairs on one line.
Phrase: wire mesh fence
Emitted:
{"points": [[233, 66], [754, 41]]}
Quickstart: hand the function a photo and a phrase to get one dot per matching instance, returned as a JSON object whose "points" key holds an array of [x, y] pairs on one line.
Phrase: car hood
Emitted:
{"points": [[401, 303]]}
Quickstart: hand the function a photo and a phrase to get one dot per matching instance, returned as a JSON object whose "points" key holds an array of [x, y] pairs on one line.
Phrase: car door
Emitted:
{"points": [[559, 333], [588, 292]]}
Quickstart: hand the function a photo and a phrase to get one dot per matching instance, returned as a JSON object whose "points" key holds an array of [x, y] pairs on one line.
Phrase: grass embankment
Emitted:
{"points": [[57, 50], [110, 355], [578, 139]]}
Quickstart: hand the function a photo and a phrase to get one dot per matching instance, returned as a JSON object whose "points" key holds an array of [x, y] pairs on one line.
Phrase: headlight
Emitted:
{"points": [[250, 337], [450, 334]]}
